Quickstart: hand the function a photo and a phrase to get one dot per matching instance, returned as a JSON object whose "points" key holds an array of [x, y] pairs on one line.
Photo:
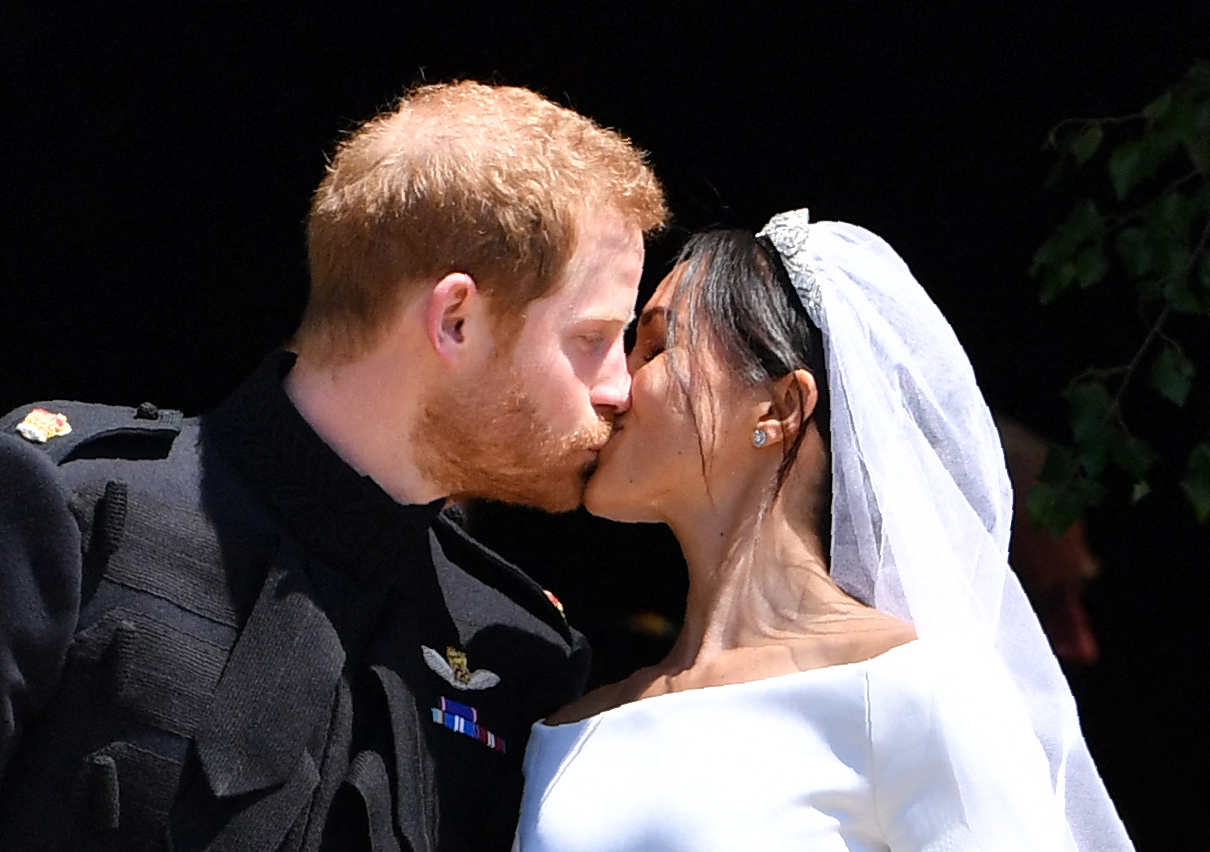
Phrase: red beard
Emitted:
{"points": [[488, 440]]}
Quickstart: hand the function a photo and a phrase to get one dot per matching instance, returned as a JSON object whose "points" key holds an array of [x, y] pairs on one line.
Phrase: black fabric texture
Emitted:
{"points": [[158, 675], [235, 654], [155, 533], [264, 818], [103, 805], [368, 776], [127, 791], [410, 761], [236, 754], [39, 585], [109, 520]]}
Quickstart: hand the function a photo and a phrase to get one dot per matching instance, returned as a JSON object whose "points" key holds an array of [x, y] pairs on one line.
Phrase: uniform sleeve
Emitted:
{"points": [[40, 569], [956, 765]]}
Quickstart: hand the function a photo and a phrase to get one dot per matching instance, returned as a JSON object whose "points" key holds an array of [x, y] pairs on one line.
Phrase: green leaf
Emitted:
{"points": [[1095, 448], [1198, 148], [1172, 259], [1203, 272], [1060, 496], [1056, 279], [1135, 456], [1054, 251], [1054, 508], [1196, 483], [1201, 120], [1059, 466], [1158, 146], [1088, 492], [1172, 374], [1159, 106], [1065, 511], [1136, 251], [1055, 258], [1091, 266], [1175, 211], [1139, 159], [1141, 489], [1090, 403], [1086, 142], [1124, 167], [1178, 294], [1189, 119], [1082, 223], [1040, 500], [1197, 143], [1201, 200]]}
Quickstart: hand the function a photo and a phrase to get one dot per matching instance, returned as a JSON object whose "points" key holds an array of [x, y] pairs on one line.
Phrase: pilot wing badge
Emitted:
{"points": [[452, 668]]}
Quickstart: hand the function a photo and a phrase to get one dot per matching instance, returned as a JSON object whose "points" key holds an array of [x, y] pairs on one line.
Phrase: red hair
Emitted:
{"points": [[461, 177]]}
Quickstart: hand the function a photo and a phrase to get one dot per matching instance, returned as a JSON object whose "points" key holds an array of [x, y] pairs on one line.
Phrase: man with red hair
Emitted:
{"points": [[260, 629]]}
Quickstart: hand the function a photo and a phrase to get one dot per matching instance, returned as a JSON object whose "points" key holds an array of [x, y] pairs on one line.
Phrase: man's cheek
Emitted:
{"points": [[559, 395]]}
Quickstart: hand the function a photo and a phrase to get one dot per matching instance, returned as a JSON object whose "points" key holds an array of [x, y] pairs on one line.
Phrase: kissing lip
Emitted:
{"points": [[609, 442], [612, 434]]}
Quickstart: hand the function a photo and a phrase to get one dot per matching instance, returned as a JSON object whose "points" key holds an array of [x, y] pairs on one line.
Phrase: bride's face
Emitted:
{"points": [[655, 464]]}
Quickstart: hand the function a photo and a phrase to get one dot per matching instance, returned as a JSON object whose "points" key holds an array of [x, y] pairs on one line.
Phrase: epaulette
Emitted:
{"points": [[64, 429]]}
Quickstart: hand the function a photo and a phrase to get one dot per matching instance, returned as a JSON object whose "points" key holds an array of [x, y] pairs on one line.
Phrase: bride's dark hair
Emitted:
{"points": [[733, 292]]}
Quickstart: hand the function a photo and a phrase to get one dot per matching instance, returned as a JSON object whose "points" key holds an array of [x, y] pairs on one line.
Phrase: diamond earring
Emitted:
{"points": [[759, 438]]}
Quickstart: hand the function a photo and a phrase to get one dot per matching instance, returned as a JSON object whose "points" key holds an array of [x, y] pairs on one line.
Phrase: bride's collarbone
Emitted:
{"points": [[869, 637], [865, 637]]}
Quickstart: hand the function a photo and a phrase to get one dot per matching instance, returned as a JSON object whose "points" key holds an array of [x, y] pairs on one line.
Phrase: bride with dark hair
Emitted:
{"points": [[858, 668]]}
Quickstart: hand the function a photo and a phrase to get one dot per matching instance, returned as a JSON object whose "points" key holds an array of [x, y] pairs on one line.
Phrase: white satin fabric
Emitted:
{"points": [[863, 757]]}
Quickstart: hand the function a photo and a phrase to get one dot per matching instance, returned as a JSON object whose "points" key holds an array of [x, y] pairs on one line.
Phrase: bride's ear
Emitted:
{"points": [[793, 401]]}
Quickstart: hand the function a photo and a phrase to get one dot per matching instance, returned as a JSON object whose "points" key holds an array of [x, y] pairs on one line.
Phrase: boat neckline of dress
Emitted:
{"points": [[775, 679]]}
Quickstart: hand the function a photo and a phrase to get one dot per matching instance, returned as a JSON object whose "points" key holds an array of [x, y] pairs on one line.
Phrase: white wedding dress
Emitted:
{"points": [[924, 747]]}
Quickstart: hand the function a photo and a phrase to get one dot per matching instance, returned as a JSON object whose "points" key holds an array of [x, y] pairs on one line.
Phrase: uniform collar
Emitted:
{"points": [[339, 516]]}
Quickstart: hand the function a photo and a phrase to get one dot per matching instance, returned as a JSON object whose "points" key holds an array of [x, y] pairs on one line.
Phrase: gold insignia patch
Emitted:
{"points": [[455, 671], [457, 662], [40, 425]]}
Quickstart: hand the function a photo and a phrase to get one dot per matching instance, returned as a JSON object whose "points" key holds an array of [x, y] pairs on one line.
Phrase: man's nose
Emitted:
{"points": [[612, 388]]}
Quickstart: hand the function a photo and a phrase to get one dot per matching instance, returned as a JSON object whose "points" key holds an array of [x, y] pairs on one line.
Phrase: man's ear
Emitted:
{"points": [[793, 401], [454, 302]]}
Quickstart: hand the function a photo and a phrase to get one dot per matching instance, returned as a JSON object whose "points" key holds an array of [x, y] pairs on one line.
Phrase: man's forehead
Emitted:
{"points": [[602, 276], [603, 242]]}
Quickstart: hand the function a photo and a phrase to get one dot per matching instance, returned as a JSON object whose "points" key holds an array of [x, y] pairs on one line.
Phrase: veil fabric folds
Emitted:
{"points": [[922, 505]]}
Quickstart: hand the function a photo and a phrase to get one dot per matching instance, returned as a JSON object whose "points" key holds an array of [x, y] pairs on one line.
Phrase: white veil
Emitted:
{"points": [[921, 505]]}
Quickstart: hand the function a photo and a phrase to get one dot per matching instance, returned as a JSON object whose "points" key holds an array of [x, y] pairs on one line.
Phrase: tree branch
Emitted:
{"points": [[1157, 327]]}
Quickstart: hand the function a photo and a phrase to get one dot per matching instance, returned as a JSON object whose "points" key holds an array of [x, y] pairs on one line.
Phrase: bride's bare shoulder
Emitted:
{"points": [[604, 698]]}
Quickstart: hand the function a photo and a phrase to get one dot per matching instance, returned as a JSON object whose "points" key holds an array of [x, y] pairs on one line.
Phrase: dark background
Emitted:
{"points": [[158, 161]]}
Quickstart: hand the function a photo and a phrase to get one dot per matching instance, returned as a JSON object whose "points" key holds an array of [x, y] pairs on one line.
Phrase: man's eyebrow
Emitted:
{"points": [[606, 318]]}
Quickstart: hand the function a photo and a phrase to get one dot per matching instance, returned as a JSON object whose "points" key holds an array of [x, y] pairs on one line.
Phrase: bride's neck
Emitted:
{"points": [[755, 577]]}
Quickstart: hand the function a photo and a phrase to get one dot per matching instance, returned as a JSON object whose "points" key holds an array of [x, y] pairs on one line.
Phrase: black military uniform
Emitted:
{"points": [[214, 634]]}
